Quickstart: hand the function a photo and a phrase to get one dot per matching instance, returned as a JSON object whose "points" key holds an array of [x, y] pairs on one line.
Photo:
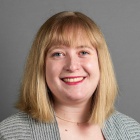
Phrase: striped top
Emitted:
{"points": [[22, 127]]}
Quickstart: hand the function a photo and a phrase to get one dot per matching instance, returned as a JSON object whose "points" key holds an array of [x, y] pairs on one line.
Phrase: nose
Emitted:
{"points": [[72, 63]]}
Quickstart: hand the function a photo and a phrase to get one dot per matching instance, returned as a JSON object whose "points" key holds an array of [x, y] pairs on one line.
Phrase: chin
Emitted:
{"points": [[78, 98]]}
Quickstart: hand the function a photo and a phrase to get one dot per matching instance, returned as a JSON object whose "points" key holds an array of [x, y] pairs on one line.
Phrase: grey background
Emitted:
{"points": [[118, 19]]}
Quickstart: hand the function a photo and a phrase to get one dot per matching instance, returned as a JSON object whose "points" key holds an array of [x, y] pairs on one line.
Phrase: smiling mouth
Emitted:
{"points": [[73, 80]]}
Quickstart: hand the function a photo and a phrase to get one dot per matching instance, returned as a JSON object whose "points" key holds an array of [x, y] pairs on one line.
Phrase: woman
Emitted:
{"points": [[69, 87]]}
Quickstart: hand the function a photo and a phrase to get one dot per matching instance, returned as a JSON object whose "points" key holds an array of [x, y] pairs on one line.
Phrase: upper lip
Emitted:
{"points": [[71, 77]]}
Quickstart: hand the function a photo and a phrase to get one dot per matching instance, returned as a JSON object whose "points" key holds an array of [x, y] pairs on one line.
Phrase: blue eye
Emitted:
{"points": [[84, 53], [57, 54]]}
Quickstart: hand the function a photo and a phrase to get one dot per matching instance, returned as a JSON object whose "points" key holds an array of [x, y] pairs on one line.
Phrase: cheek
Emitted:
{"points": [[92, 66], [49, 71], [52, 70]]}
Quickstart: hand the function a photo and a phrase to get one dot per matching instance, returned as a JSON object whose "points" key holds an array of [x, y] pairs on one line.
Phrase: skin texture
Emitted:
{"points": [[73, 70]]}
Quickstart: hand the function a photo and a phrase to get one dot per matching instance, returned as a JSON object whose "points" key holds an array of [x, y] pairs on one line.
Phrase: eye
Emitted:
{"points": [[83, 53], [57, 54]]}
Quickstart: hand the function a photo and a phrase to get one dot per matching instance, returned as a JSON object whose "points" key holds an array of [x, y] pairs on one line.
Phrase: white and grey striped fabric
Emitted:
{"points": [[22, 127]]}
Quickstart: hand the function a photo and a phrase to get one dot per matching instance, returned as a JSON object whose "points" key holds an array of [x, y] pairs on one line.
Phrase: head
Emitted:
{"points": [[62, 29]]}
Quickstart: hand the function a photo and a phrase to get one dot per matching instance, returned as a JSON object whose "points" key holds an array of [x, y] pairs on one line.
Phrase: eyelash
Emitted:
{"points": [[84, 53], [57, 54], [60, 54]]}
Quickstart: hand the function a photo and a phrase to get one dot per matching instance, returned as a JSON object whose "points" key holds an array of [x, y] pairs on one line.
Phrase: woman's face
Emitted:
{"points": [[72, 72]]}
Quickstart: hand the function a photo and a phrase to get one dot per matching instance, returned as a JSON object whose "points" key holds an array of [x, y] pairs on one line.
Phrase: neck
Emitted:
{"points": [[72, 113]]}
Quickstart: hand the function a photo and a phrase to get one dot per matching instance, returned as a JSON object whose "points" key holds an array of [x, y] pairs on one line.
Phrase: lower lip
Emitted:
{"points": [[74, 83]]}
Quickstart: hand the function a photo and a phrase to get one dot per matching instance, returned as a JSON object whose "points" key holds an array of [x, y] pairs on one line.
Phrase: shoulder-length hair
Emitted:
{"points": [[35, 99]]}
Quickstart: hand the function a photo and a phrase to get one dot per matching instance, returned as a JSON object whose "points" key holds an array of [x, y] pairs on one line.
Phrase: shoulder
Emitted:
{"points": [[22, 126], [122, 126], [15, 126]]}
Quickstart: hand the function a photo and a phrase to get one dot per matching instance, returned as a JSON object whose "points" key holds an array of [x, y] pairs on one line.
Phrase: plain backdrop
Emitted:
{"points": [[119, 21]]}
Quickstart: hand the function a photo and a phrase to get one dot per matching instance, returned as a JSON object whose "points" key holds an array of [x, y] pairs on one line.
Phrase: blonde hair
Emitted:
{"points": [[35, 99]]}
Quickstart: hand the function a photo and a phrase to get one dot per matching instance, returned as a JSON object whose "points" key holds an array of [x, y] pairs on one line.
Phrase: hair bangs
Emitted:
{"points": [[65, 32]]}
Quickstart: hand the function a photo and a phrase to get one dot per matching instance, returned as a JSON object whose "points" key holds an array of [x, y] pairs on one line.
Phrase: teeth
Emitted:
{"points": [[73, 79]]}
